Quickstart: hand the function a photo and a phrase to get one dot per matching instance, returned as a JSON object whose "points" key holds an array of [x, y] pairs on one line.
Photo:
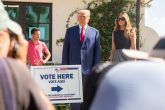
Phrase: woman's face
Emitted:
{"points": [[4, 42], [121, 20]]}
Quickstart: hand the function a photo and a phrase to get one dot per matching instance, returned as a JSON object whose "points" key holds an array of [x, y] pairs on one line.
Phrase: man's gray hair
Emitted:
{"points": [[84, 11]]}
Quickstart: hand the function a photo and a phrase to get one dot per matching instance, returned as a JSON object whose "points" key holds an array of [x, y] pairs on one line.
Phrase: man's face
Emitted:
{"points": [[83, 18], [36, 35], [4, 42]]}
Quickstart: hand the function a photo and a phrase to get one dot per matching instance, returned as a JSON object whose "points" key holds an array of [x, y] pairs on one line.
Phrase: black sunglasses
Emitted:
{"points": [[122, 19]]}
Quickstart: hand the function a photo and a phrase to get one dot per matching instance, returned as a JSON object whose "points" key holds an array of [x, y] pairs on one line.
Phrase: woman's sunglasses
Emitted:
{"points": [[122, 19]]}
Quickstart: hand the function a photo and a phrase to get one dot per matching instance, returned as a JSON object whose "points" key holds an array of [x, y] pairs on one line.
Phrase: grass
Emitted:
{"points": [[62, 106]]}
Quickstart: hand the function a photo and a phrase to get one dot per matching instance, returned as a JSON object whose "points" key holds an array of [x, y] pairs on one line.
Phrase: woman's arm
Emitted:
{"points": [[113, 47], [133, 39]]}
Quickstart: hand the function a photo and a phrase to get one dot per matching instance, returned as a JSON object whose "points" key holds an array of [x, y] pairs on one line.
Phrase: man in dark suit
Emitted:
{"points": [[82, 46]]}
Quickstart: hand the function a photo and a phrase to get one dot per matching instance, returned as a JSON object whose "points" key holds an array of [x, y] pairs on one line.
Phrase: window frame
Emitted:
{"points": [[22, 17]]}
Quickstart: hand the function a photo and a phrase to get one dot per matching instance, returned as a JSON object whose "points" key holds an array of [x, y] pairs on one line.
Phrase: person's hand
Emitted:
{"points": [[42, 62], [39, 63], [18, 48], [22, 49]]}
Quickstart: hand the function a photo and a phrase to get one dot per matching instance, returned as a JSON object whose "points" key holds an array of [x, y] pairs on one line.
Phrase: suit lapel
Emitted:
{"points": [[78, 33], [87, 32]]}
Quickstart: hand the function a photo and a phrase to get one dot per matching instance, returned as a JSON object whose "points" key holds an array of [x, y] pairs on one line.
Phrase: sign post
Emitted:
{"points": [[61, 84]]}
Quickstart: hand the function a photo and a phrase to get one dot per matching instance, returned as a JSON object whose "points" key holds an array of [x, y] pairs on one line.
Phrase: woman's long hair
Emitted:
{"points": [[127, 27]]}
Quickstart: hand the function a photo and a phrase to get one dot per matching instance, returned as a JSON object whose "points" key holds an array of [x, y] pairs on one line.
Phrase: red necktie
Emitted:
{"points": [[82, 34]]}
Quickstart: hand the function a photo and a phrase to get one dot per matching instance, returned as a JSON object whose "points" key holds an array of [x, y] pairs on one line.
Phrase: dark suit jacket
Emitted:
{"points": [[87, 53]]}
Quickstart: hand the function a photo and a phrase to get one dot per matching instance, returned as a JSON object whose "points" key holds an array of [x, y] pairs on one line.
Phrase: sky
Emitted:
{"points": [[155, 16]]}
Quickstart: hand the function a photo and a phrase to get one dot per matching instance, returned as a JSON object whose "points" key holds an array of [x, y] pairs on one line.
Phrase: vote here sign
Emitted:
{"points": [[61, 84]]}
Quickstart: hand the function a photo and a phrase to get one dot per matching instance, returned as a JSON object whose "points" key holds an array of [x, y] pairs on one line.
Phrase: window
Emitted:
{"points": [[30, 15]]}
